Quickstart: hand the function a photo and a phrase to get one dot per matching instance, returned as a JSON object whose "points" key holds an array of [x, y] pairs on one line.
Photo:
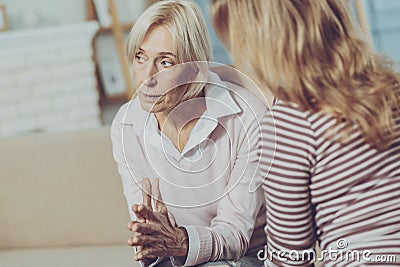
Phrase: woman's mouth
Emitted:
{"points": [[151, 97]]}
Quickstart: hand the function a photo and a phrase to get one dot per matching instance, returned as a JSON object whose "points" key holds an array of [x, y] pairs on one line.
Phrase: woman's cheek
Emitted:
{"points": [[137, 78]]}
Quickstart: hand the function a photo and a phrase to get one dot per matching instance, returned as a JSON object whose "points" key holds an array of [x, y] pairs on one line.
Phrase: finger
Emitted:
{"points": [[144, 240], [129, 226], [131, 243], [158, 201], [139, 249], [151, 252], [151, 229], [146, 213], [172, 220], [139, 217], [143, 228], [155, 251], [146, 192]]}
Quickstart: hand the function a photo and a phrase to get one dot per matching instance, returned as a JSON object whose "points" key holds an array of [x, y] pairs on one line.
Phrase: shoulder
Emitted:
{"points": [[128, 114], [246, 99], [292, 118], [289, 120], [289, 111], [252, 109], [294, 112], [243, 98]]}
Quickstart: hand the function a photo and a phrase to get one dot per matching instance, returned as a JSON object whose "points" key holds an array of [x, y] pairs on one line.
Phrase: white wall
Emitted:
{"points": [[50, 84], [43, 12], [384, 24], [57, 12]]}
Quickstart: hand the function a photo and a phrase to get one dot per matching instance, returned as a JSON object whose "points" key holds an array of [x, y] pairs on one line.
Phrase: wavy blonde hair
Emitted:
{"points": [[310, 52]]}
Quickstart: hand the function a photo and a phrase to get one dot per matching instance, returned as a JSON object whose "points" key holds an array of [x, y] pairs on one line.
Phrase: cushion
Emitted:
{"points": [[60, 189], [92, 256]]}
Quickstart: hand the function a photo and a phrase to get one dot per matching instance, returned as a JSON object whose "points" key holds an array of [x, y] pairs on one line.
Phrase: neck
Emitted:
{"points": [[179, 122]]}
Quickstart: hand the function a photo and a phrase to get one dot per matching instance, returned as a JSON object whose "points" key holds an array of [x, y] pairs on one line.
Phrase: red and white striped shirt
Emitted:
{"points": [[344, 194]]}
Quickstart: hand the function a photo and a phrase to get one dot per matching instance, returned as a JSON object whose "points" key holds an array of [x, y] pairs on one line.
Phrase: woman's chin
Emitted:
{"points": [[150, 103], [150, 107]]}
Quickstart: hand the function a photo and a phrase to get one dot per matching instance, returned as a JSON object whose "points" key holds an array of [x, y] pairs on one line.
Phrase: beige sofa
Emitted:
{"points": [[61, 202]]}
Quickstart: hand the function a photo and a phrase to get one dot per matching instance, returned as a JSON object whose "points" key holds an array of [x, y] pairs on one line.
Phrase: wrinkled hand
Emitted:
{"points": [[146, 200], [155, 234]]}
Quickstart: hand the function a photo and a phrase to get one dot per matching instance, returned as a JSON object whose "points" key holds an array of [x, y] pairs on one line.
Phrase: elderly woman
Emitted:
{"points": [[189, 142], [335, 174]]}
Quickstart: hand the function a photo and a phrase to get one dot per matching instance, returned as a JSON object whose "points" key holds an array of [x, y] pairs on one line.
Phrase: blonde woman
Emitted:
{"points": [[187, 148], [335, 174]]}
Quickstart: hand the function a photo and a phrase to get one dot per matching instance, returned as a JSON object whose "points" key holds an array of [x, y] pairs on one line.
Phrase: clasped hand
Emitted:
{"points": [[155, 232]]}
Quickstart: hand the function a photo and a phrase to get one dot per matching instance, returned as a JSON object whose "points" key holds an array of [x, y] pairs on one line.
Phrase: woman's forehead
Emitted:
{"points": [[158, 40]]}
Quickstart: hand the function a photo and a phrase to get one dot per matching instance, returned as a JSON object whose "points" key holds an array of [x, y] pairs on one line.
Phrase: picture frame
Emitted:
{"points": [[3, 18]]}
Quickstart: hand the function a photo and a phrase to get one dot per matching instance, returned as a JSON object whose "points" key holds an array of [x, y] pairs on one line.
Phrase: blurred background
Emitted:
{"points": [[62, 63], [63, 76]]}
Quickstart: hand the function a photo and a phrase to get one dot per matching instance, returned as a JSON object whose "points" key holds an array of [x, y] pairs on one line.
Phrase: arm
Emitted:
{"points": [[290, 222], [131, 179]]}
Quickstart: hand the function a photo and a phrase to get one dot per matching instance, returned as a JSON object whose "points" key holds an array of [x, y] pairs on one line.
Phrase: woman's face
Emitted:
{"points": [[154, 72]]}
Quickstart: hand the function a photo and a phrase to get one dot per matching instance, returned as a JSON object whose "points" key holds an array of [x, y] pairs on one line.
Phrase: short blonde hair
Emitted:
{"points": [[184, 20], [312, 53]]}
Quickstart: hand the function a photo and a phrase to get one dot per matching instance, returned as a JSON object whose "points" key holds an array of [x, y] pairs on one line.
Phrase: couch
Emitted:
{"points": [[61, 202]]}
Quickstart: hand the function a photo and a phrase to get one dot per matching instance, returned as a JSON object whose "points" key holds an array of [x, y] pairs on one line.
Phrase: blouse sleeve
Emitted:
{"points": [[131, 179]]}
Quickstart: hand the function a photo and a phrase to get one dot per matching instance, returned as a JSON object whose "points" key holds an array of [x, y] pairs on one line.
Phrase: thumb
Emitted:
{"points": [[172, 219], [146, 192]]}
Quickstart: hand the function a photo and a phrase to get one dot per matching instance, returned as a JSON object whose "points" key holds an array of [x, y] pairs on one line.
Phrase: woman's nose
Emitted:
{"points": [[151, 73], [151, 82]]}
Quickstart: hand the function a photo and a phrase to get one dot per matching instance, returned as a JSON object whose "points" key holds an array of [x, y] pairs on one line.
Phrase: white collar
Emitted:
{"points": [[219, 103]]}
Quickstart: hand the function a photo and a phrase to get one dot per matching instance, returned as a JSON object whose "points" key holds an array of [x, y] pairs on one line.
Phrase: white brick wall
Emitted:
{"points": [[47, 80]]}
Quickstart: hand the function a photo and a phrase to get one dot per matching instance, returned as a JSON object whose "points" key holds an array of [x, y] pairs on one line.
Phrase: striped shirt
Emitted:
{"points": [[344, 194]]}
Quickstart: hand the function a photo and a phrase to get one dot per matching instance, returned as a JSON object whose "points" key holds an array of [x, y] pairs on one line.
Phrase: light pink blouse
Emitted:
{"points": [[207, 186]]}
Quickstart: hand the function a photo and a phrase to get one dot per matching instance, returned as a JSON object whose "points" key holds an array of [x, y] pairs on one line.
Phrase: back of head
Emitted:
{"points": [[313, 54]]}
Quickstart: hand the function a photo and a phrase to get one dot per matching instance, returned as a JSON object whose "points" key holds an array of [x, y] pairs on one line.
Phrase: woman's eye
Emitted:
{"points": [[166, 64], [139, 58]]}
